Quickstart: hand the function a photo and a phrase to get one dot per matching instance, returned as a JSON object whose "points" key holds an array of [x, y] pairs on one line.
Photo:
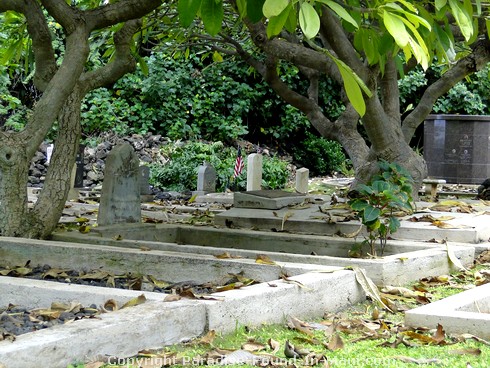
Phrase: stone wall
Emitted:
{"points": [[147, 148]]}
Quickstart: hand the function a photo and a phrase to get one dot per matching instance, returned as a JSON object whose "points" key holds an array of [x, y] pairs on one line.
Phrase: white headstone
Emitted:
{"points": [[254, 171], [49, 152], [302, 176]]}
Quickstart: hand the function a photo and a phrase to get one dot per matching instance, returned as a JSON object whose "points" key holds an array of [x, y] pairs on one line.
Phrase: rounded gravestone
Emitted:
{"points": [[120, 197]]}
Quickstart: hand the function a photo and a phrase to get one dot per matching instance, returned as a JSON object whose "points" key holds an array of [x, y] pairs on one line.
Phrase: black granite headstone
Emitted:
{"points": [[80, 167], [457, 148]]}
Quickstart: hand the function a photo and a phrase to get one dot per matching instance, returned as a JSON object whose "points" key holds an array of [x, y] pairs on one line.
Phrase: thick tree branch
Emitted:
{"points": [[464, 67], [59, 88], [390, 94], [123, 61], [292, 52], [118, 12], [63, 14], [332, 31]]}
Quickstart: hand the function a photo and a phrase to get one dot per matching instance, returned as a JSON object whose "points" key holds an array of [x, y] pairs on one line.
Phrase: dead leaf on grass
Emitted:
{"points": [[468, 351], [208, 338], [369, 287], [274, 345], [300, 326], [253, 345], [402, 291], [473, 337], [335, 343], [420, 361]]}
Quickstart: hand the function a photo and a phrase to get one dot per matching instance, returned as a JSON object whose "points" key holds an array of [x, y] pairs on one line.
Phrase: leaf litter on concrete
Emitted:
{"points": [[371, 334]]}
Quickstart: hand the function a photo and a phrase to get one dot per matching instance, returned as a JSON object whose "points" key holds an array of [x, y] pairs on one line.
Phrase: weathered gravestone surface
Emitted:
{"points": [[206, 178], [146, 194], [120, 197], [267, 199], [302, 176], [254, 172]]}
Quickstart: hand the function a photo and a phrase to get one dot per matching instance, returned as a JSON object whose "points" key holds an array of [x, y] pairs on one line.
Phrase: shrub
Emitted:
{"points": [[319, 155], [180, 171]]}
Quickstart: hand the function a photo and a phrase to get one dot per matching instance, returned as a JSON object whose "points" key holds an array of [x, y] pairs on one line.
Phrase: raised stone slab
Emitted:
{"points": [[403, 261], [267, 199], [465, 228], [466, 312]]}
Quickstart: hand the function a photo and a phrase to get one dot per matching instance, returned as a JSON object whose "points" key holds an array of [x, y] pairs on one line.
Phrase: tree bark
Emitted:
{"points": [[63, 90]]}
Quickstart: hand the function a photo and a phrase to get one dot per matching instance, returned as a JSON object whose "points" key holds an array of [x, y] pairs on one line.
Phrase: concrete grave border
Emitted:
{"points": [[412, 261], [457, 314], [313, 291]]}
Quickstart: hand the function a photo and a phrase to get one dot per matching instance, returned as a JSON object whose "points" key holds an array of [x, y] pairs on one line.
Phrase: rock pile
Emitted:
{"points": [[147, 148]]}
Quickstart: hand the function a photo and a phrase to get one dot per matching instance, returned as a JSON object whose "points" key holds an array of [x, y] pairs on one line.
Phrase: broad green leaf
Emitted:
{"points": [[217, 57], [254, 10], [487, 24], [276, 24], [187, 11], [380, 186], [341, 12], [242, 7], [419, 48], [394, 224], [291, 22], [352, 88], [143, 66], [371, 214], [358, 204], [440, 4], [212, 15], [309, 20], [463, 20], [272, 8], [408, 5], [396, 28]]}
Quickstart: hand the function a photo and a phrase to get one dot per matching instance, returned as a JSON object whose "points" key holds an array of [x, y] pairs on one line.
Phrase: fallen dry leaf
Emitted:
{"points": [[140, 299], [335, 343], [208, 338], [253, 346], [468, 351], [263, 259]]}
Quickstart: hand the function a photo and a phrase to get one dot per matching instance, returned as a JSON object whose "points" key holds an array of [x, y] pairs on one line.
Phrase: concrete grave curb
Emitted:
{"points": [[407, 260], [466, 312], [312, 292]]}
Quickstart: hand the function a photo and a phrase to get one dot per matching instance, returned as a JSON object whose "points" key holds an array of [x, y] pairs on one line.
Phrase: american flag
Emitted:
{"points": [[239, 164]]}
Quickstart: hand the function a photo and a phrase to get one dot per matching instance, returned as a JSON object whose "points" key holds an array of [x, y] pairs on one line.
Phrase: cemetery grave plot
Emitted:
{"points": [[306, 292], [402, 262]]}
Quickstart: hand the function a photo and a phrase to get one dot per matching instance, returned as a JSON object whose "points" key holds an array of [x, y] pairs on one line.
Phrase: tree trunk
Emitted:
{"points": [[14, 167], [48, 209]]}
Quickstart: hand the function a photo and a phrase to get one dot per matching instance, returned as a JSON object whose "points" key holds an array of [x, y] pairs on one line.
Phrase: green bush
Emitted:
{"points": [[179, 173], [319, 155]]}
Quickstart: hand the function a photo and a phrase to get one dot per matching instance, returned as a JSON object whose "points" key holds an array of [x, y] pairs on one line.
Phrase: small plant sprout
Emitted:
{"points": [[388, 195]]}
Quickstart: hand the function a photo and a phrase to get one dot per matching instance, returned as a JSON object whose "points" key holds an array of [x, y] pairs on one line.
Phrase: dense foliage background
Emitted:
{"points": [[197, 98]]}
